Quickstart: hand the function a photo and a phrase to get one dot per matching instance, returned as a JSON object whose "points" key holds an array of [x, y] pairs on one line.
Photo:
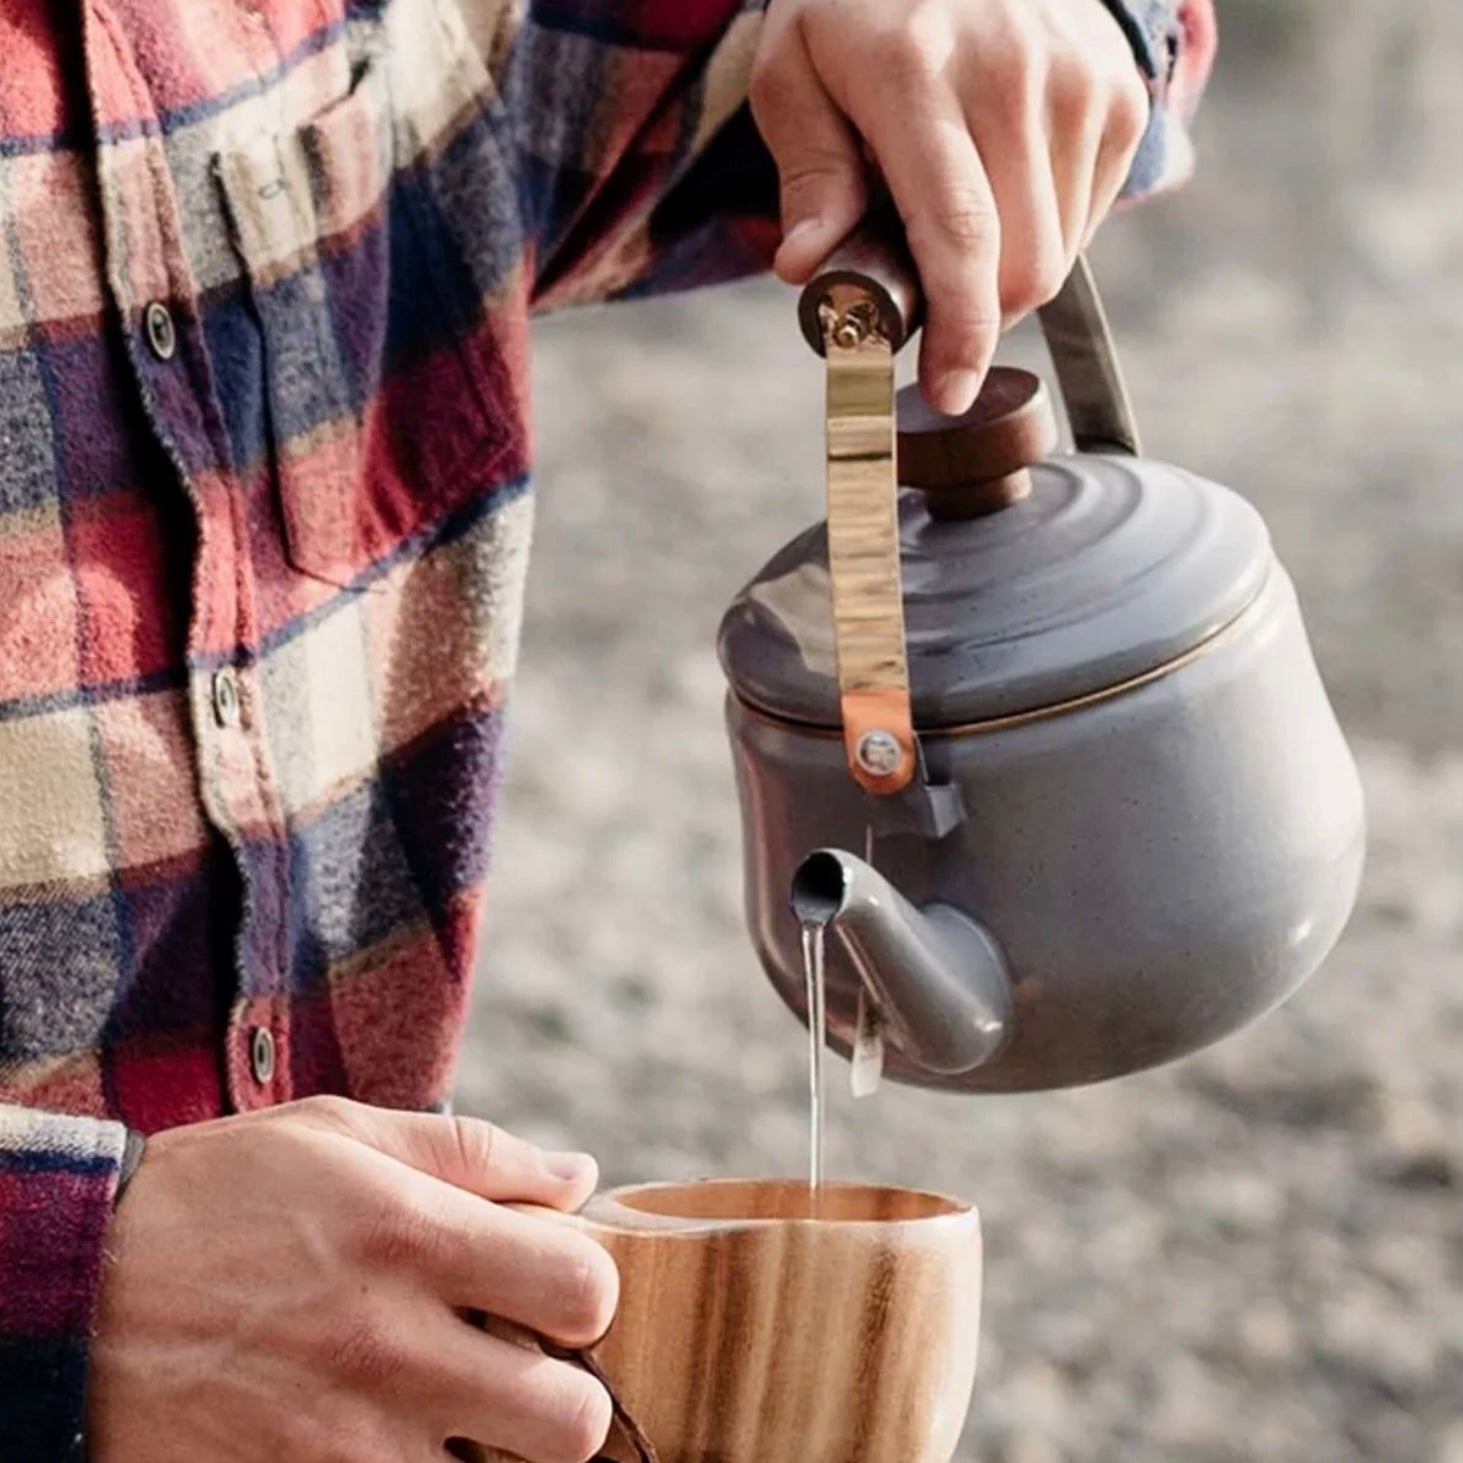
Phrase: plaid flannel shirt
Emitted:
{"points": [[266, 271]]}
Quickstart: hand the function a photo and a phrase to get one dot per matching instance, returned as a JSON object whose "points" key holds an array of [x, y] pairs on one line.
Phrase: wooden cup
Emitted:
{"points": [[757, 1327]]}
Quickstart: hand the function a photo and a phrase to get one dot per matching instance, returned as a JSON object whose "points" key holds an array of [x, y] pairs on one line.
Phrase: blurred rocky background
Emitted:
{"points": [[1255, 1256]]}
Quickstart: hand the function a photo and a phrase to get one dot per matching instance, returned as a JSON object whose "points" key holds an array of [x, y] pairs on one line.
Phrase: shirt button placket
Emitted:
{"points": [[222, 695]]}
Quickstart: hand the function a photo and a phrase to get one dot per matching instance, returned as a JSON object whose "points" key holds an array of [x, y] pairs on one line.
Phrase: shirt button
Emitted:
{"points": [[261, 1054], [226, 697], [162, 338]]}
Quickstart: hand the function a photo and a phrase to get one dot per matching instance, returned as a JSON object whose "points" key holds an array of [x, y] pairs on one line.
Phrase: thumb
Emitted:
{"points": [[470, 1154], [819, 158]]}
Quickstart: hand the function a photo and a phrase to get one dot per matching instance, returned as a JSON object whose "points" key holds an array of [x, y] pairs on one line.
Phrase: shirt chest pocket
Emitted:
{"points": [[389, 400]]}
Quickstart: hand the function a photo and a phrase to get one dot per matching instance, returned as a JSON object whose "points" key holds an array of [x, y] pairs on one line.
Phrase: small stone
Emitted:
{"points": [[1434, 1170], [1418, 1149], [1268, 1334], [551, 1023]]}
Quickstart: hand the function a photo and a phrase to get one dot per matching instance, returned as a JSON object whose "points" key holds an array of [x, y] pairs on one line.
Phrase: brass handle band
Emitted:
{"points": [[863, 551], [858, 311]]}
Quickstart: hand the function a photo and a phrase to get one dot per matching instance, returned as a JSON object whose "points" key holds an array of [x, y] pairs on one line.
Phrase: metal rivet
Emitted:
{"points": [[226, 697], [879, 753], [262, 1053], [162, 338]]}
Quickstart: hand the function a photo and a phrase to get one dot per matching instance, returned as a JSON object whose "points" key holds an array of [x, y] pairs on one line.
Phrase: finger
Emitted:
{"points": [[542, 1273], [1033, 248], [1126, 122], [820, 163], [468, 1154], [1074, 144], [954, 230], [513, 1397]]}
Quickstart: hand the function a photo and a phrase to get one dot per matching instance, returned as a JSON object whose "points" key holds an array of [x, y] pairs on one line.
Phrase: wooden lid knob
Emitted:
{"points": [[976, 463]]}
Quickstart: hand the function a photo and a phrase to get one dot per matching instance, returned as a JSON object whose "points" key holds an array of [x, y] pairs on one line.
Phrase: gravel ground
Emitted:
{"points": [[1257, 1254]]}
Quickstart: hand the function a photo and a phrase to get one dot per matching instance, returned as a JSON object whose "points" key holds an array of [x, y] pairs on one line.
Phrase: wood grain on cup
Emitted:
{"points": [[749, 1331]]}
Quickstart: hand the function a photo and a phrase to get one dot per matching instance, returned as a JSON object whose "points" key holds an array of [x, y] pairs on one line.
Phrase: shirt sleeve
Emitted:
{"points": [[643, 173], [1174, 42], [58, 1182]]}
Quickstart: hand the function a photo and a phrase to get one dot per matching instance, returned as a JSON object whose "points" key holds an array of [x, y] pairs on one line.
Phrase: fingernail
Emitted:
{"points": [[804, 228], [956, 391], [802, 235], [569, 1166]]}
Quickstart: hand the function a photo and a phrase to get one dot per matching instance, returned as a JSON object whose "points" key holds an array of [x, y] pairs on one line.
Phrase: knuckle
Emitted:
{"points": [[1013, 92], [960, 219], [589, 1293], [1020, 43], [813, 167], [472, 1143], [327, 1108], [365, 1349], [770, 87], [396, 1236], [1033, 279], [909, 54], [816, 172], [1070, 97], [1128, 113], [780, 94]]}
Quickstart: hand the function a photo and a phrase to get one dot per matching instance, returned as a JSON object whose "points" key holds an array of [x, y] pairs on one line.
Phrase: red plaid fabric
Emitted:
{"points": [[266, 268]]}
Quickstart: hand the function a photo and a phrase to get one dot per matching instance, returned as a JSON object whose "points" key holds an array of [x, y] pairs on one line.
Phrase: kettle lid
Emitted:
{"points": [[1032, 584]]}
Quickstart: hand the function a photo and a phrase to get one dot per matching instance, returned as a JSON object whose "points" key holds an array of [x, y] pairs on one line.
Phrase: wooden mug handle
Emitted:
{"points": [[627, 1442]]}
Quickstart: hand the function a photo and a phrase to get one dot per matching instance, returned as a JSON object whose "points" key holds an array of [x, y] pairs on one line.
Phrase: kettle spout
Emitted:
{"points": [[939, 979]]}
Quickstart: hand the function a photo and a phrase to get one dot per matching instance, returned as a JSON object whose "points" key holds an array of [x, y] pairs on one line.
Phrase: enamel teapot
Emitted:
{"points": [[1036, 742]]}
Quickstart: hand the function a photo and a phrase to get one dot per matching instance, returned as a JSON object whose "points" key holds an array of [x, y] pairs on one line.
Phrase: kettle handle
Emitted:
{"points": [[870, 288], [1073, 323], [1085, 359]]}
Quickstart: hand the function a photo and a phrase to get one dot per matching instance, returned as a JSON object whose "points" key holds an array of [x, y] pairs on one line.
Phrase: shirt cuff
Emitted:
{"points": [[58, 1179], [1173, 44]]}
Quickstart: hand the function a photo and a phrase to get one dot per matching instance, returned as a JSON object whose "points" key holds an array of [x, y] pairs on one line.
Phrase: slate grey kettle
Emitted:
{"points": [[1122, 821]]}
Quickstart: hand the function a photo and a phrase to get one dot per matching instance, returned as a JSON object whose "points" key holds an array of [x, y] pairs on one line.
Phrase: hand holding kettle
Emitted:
{"points": [[1003, 129]]}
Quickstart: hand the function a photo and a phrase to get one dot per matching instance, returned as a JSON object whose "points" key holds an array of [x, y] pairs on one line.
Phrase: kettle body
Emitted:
{"points": [[1039, 743], [1158, 865]]}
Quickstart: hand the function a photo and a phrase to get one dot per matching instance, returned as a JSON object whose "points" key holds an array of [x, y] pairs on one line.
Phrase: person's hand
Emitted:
{"points": [[1004, 130], [291, 1287]]}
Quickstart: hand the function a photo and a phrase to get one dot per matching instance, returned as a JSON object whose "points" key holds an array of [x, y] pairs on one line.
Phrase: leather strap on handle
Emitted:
{"points": [[857, 312]]}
